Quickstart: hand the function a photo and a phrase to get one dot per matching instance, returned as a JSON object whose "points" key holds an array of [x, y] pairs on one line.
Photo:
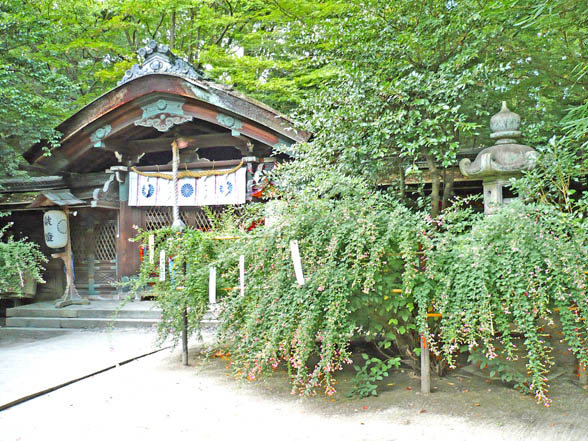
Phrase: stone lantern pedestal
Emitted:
{"points": [[504, 160]]}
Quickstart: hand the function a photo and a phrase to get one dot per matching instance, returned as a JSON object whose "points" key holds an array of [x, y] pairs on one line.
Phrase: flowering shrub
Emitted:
{"points": [[189, 256], [18, 258], [511, 270], [488, 277], [354, 250]]}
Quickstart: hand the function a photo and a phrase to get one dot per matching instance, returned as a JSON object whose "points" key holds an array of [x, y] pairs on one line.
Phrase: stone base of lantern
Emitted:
{"points": [[71, 295], [61, 303], [493, 194]]}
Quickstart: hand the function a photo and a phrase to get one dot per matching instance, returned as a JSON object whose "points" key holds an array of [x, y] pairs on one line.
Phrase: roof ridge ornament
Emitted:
{"points": [[159, 59]]}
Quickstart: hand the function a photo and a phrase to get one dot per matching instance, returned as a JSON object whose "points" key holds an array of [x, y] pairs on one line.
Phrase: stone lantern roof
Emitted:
{"points": [[505, 158]]}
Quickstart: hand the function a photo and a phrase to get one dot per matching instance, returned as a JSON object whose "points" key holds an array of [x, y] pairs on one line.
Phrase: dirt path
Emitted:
{"points": [[157, 398]]}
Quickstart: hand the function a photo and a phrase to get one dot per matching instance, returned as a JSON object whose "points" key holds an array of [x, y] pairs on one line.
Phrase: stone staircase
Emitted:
{"points": [[98, 314]]}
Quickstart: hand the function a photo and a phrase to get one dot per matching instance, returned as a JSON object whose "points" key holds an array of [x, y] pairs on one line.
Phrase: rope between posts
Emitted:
{"points": [[188, 173]]}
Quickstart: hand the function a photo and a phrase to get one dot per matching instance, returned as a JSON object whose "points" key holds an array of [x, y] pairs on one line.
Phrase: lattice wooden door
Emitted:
{"points": [[195, 217], [94, 250], [105, 254]]}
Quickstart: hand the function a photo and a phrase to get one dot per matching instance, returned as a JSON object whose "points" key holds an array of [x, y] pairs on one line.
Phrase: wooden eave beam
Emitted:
{"points": [[121, 108], [139, 146], [81, 180], [110, 205], [426, 178], [198, 165]]}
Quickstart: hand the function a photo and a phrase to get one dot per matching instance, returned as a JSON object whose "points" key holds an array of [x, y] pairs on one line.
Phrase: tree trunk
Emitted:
{"points": [[191, 41], [447, 188], [402, 182], [435, 186], [172, 31]]}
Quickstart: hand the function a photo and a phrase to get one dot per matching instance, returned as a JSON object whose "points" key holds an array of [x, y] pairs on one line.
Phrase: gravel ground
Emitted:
{"points": [[156, 398]]}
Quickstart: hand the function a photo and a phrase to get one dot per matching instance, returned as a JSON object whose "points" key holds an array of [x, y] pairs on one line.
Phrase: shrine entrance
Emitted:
{"points": [[94, 248]]}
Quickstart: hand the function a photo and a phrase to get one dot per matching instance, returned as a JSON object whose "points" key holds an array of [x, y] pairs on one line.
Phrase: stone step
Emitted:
{"points": [[82, 313], [32, 333], [78, 323]]}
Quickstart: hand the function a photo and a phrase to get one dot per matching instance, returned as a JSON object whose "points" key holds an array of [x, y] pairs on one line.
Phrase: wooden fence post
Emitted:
{"points": [[425, 366], [185, 337]]}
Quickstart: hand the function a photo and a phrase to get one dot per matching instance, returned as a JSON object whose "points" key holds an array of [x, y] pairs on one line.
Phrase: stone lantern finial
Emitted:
{"points": [[505, 126], [505, 159]]}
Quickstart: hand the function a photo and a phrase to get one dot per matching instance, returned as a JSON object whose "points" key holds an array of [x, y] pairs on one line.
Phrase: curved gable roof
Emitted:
{"points": [[159, 100]]}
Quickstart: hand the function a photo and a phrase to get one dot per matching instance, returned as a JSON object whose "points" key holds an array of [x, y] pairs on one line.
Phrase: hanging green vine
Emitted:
{"points": [[19, 260], [188, 258], [510, 273], [354, 251]]}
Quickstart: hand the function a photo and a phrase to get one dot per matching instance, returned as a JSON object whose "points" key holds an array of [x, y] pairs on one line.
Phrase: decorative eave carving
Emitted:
{"points": [[163, 114], [230, 122], [97, 137], [160, 60], [506, 158]]}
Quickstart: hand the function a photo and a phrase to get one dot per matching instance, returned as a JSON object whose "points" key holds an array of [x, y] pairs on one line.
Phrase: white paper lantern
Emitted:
{"points": [[55, 226]]}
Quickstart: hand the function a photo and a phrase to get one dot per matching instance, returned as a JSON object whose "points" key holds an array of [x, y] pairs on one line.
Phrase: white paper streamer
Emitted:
{"points": [[165, 193], [133, 189], [297, 263], [206, 191], [242, 274], [212, 286], [162, 266], [151, 249]]}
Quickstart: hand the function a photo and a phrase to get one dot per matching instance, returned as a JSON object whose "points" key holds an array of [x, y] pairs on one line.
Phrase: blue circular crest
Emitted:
{"points": [[148, 190], [187, 190]]}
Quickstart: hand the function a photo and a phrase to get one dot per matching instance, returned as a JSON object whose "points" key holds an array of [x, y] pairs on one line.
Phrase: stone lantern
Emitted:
{"points": [[504, 160]]}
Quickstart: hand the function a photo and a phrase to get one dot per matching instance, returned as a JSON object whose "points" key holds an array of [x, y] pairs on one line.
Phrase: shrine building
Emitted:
{"points": [[113, 166]]}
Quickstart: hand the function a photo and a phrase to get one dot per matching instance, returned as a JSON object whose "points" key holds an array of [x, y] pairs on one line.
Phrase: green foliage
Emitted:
{"points": [[560, 169], [33, 97], [412, 83], [373, 370], [56, 56], [19, 259], [500, 369], [512, 269], [382, 86], [551, 88], [346, 244], [192, 253], [90, 45]]}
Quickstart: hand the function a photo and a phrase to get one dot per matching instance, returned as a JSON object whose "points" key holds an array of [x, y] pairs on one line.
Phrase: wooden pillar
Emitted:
{"points": [[91, 256], [583, 375], [425, 366], [127, 253]]}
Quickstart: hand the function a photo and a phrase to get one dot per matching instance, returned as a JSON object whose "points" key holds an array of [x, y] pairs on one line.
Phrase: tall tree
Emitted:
{"points": [[414, 84], [34, 96], [57, 55]]}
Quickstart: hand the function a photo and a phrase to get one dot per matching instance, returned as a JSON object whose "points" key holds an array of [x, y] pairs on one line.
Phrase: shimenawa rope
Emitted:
{"points": [[189, 173]]}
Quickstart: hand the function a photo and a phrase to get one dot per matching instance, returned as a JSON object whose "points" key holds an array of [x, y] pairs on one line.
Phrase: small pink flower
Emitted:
{"points": [[321, 288]]}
